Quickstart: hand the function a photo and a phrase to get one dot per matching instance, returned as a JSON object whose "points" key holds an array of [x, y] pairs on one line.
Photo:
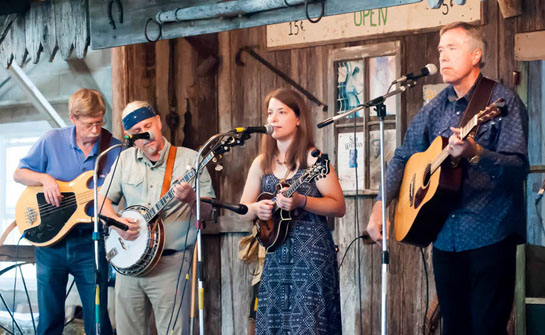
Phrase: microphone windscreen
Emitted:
{"points": [[432, 69], [269, 129]]}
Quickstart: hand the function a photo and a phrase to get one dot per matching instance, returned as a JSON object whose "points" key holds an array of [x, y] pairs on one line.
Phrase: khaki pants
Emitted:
{"points": [[137, 297]]}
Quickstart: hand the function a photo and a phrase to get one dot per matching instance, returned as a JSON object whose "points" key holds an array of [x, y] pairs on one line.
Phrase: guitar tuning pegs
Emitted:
{"points": [[218, 167]]}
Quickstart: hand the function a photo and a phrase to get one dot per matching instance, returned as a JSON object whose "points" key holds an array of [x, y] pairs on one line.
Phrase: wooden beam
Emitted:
{"points": [[137, 13], [34, 94], [228, 224], [529, 46]]}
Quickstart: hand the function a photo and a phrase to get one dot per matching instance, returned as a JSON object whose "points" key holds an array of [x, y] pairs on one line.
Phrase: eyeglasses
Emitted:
{"points": [[91, 125]]}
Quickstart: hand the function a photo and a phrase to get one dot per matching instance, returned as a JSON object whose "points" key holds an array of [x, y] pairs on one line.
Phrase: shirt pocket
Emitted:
{"points": [[487, 134]]}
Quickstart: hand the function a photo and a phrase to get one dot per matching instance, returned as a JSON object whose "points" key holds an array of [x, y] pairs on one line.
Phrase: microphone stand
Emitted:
{"points": [[224, 146], [98, 236], [199, 229], [380, 108]]}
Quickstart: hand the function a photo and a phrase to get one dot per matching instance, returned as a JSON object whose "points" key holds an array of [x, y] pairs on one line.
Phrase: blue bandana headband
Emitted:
{"points": [[137, 115]]}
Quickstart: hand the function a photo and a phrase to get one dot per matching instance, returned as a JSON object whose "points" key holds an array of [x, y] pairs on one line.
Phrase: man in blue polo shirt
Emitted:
{"points": [[64, 154]]}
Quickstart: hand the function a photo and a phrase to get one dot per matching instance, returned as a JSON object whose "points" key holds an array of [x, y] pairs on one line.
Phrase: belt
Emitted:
{"points": [[169, 252]]}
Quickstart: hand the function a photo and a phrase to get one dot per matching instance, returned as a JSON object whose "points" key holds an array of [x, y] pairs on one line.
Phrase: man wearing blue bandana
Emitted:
{"points": [[63, 154], [138, 180]]}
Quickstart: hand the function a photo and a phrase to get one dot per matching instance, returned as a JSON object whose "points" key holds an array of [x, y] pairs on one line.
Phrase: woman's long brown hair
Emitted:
{"points": [[304, 137]]}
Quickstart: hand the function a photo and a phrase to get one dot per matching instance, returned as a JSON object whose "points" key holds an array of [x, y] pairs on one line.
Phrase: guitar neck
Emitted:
{"points": [[289, 192], [464, 133], [160, 205]]}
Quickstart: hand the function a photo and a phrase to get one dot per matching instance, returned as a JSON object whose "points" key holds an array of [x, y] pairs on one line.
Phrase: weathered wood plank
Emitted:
{"points": [[48, 40], [34, 28], [65, 24], [529, 47], [18, 39], [162, 59], [80, 16], [120, 86], [236, 287], [490, 31], [137, 13], [6, 54]]}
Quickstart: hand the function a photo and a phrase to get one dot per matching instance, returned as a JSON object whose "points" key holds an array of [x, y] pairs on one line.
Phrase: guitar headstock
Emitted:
{"points": [[318, 170], [491, 111]]}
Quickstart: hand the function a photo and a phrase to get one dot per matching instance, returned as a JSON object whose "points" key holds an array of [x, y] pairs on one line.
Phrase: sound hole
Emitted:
{"points": [[427, 176]]}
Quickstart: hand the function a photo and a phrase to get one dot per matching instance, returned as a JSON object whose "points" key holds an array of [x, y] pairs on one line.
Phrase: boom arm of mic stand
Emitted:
{"points": [[370, 103]]}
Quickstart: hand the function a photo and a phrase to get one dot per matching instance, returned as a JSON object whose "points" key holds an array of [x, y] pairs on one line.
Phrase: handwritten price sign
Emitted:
{"points": [[371, 22]]}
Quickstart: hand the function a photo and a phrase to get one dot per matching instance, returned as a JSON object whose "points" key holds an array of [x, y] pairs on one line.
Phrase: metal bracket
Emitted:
{"points": [[279, 73]]}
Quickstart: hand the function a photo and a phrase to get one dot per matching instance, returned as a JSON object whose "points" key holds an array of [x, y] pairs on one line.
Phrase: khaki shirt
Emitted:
{"points": [[139, 181]]}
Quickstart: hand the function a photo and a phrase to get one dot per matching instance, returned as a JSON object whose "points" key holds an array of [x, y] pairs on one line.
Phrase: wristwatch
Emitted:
{"points": [[475, 159]]}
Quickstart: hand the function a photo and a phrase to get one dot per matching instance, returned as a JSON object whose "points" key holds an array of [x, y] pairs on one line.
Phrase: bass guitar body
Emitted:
{"points": [[426, 199], [44, 224]]}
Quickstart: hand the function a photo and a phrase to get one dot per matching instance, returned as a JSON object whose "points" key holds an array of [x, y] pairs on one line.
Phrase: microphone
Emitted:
{"points": [[140, 136], [540, 193], [429, 69], [113, 222], [266, 129], [237, 208]]}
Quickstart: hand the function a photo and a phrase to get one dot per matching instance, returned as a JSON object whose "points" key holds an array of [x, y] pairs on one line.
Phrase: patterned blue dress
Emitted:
{"points": [[299, 292]]}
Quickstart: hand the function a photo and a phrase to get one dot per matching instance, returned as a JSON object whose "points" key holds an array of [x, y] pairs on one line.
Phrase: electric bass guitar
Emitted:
{"points": [[431, 184], [44, 224], [272, 233]]}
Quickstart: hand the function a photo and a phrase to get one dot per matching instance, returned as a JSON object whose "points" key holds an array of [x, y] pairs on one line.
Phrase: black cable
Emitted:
{"points": [[76, 315], [179, 276], [13, 322], [5, 303], [111, 180], [538, 212], [427, 290], [322, 11], [28, 299], [357, 223], [70, 288]]}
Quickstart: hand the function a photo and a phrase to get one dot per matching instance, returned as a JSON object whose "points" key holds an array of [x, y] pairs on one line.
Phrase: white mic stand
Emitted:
{"points": [[199, 241], [97, 237], [224, 146], [380, 108]]}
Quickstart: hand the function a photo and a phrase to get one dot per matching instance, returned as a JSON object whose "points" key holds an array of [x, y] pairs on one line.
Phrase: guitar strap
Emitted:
{"points": [[168, 170], [167, 178], [105, 137], [480, 98]]}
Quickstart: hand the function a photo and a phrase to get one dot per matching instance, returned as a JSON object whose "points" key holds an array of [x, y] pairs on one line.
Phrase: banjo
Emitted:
{"points": [[139, 256]]}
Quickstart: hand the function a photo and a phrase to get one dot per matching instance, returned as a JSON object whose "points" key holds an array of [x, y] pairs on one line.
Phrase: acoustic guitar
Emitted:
{"points": [[431, 184], [44, 224], [272, 233]]}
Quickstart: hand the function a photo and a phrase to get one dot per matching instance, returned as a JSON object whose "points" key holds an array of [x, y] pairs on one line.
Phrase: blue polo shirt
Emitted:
{"points": [[57, 154]]}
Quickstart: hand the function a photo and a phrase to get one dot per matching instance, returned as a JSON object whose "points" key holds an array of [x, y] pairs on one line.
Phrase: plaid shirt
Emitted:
{"points": [[492, 200]]}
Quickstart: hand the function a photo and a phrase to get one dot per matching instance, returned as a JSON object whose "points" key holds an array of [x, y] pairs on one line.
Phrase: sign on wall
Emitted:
{"points": [[370, 23]]}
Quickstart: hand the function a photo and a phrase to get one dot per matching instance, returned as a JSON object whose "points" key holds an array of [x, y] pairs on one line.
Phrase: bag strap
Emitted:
{"points": [[480, 98], [168, 170]]}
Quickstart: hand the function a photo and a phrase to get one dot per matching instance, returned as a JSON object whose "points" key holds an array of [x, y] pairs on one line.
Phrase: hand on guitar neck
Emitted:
{"points": [[374, 227], [288, 204], [461, 148]]}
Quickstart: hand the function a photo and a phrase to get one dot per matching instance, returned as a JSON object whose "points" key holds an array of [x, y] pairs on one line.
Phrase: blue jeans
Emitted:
{"points": [[73, 255]]}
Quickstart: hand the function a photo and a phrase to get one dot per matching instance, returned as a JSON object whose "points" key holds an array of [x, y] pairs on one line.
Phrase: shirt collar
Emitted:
{"points": [[453, 97], [75, 146], [162, 154]]}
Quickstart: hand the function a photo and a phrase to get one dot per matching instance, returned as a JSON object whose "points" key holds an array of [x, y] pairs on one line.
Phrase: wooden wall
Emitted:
{"points": [[233, 96]]}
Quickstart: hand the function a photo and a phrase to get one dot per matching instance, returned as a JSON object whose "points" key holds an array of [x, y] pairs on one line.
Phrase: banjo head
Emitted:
{"points": [[126, 256]]}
